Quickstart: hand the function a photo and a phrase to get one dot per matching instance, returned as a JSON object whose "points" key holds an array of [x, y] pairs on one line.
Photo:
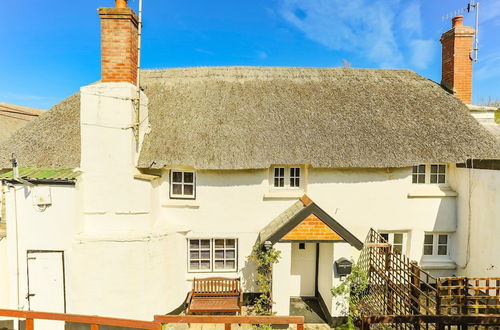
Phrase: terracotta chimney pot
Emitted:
{"points": [[455, 21], [121, 3]]}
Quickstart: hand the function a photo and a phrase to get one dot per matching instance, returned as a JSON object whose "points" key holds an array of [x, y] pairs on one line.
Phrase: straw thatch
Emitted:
{"points": [[244, 117], [13, 117], [53, 140]]}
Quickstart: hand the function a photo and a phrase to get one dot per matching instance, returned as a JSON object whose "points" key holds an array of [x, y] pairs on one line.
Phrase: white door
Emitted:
{"points": [[46, 286]]}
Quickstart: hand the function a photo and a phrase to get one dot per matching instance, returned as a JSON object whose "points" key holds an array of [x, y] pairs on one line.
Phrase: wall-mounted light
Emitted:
{"points": [[268, 245]]}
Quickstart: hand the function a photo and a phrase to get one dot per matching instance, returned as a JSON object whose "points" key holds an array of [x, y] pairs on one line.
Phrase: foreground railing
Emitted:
{"points": [[228, 320], [95, 321]]}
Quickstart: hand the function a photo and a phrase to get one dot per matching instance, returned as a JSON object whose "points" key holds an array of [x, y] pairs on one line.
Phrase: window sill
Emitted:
{"points": [[426, 191], [288, 194], [430, 264], [181, 203]]}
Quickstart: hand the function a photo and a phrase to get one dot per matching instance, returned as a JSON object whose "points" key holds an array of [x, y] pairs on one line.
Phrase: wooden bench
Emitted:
{"points": [[215, 294]]}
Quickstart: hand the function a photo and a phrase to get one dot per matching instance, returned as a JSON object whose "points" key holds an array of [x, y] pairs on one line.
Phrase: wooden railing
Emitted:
{"points": [[228, 320], [430, 321], [95, 321]]}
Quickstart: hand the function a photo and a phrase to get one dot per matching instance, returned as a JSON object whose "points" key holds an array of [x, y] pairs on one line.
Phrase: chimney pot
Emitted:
{"points": [[457, 21], [121, 3]]}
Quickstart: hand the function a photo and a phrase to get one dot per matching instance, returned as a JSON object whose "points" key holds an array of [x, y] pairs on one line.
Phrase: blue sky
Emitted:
{"points": [[50, 48]]}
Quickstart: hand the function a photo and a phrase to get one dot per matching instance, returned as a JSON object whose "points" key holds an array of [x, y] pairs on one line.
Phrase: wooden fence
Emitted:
{"points": [[402, 294], [95, 321]]}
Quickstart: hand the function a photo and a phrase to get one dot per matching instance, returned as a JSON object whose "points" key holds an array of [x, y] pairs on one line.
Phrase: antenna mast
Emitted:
{"points": [[474, 5]]}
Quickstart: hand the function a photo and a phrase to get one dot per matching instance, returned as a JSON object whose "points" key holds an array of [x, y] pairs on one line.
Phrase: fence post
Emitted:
{"points": [[465, 291], [94, 327], [30, 324], [438, 296], [414, 286], [227, 326]]}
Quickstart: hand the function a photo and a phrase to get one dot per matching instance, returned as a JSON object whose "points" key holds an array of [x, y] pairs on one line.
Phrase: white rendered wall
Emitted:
{"points": [[303, 269], [4, 274], [478, 192], [325, 273], [284, 284]]}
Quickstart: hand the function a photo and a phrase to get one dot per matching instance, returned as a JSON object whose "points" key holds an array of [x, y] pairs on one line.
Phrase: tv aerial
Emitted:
{"points": [[473, 5]]}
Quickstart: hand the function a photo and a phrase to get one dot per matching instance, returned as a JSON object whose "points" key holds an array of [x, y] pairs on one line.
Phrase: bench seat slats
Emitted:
{"points": [[215, 294]]}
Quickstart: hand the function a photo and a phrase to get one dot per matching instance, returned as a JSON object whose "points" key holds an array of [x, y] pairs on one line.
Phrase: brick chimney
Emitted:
{"points": [[456, 66], [119, 42]]}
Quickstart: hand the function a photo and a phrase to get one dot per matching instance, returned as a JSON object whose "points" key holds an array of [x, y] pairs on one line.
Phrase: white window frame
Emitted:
{"points": [[199, 259], [435, 246], [429, 174], [390, 240], [182, 196], [287, 177], [212, 258]]}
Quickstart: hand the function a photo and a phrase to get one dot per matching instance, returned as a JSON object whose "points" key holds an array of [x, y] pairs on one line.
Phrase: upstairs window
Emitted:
{"points": [[287, 177], [429, 174], [397, 240], [182, 184], [436, 244]]}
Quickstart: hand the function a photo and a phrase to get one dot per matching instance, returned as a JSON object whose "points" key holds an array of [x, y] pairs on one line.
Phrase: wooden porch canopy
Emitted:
{"points": [[305, 221]]}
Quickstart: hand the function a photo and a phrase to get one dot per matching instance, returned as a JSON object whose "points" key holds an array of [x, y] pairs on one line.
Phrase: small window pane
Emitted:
{"points": [[205, 265], [230, 254], [282, 171], [276, 171], [442, 169], [421, 168], [194, 244], [205, 254], [177, 189], [398, 249], [443, 239], [441, 179], [188, 177], [219, 254], [194, 254], [205, 243], [219, 243], [230, 264], [219, 264], [194, 265], [176, 176], [398, 238], [282, 182], [442, 250], [434, 178], [230, 243], [428, 250], [188, 189], [385, 236], [421, 178], [428, 239], [434, 168]]}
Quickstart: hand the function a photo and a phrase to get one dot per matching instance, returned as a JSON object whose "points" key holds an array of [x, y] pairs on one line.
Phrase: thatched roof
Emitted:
{"points": [[252, 117], [13, 117]]}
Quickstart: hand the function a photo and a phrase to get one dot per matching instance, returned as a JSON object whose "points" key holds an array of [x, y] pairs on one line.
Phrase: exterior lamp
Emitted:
{"points": [[268, 245]]}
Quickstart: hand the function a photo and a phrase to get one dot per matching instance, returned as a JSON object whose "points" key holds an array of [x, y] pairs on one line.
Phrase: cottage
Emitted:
{"points": [[133, 192]]}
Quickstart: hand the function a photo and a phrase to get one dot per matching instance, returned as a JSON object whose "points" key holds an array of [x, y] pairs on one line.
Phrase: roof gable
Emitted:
{"points": [[306, 221]]}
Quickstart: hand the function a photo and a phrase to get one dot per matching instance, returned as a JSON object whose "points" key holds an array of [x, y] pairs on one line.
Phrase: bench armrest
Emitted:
{"points": [[241, 298], [188, 299]]}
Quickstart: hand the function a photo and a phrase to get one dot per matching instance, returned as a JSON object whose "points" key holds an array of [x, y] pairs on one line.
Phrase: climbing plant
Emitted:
{"points": [[264, 259], [352, 289]]}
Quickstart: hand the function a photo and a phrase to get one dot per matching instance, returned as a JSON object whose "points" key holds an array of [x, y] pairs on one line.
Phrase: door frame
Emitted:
{"points": [[63, 272]]}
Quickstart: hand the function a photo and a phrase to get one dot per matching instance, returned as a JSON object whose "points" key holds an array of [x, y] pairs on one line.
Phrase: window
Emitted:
{"points": [[438, 173], [430, 173], [418, 174], [436, 244], [287, 177], [397, 240], [213, 255], [182, 184]]}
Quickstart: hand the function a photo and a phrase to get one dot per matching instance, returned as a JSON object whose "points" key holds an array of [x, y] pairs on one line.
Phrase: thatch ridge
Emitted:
{"points": [[253, 117]]}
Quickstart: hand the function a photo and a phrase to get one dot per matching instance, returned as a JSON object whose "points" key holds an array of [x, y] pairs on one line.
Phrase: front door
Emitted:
{"points": [[46, 286]]}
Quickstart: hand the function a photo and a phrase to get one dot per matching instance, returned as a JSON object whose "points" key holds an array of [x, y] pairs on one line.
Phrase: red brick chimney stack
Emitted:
{"points": [[119, 41], [456, 66]]}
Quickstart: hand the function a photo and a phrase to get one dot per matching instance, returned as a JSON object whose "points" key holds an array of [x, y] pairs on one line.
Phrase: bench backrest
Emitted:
{"points": [[216, 286]]}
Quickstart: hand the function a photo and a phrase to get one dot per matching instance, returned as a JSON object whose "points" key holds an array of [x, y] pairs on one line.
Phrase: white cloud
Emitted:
{"points": [[422, 52], [380, 30], [355, 25]]}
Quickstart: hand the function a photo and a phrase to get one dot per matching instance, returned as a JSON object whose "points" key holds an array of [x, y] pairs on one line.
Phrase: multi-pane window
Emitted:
{"points": [[418, 174], [279, 177], [200, 254], [436, 244], [430, 173], [287, 177], [438, 173], [225, 254], [213, 255], [397, 240], [295, 177], [182, 184]]}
